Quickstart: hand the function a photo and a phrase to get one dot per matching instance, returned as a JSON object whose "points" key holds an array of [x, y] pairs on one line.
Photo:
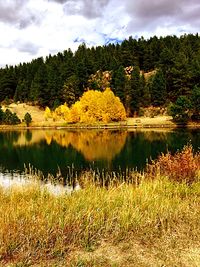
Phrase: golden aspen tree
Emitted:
{"points": [[74, 113], [47, 113]]}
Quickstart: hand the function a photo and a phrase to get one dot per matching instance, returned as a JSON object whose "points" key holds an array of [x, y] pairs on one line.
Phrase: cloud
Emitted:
{"points": [[16, 12], [149, 15], [58, 1], [26, 47], [87, 8], [34, 28]]}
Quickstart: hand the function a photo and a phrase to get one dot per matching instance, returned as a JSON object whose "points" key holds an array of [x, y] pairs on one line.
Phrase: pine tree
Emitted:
{"points": [[158, 89], [27, 119], [118, 83], [39, 90], [69, 90], [135, 93], [145, 94]]}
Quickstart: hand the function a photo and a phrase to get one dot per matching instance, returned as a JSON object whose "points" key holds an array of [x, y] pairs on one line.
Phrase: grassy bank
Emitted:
{"points": [[147, 222], [152, 224]]}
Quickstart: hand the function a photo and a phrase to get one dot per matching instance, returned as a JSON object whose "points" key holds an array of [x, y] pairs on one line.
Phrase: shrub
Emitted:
{"points": [[183, 166]]}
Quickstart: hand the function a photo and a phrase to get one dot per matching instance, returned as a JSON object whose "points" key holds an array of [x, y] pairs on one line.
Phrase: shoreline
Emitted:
{"points": [[109, 126]]}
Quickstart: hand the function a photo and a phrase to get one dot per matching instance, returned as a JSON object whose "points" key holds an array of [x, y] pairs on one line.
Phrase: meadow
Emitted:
{"points": [[151, 219]]}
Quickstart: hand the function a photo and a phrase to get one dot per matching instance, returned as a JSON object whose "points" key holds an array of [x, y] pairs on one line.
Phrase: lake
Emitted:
{"points": [[53, 150]]}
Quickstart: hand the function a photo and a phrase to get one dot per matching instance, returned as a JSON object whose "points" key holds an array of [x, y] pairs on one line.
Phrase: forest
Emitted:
{"points": [[63, 78]]}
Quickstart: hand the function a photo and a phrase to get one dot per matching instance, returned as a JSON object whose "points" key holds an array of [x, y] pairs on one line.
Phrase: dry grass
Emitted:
{"points": [[37, 114], [158, 121], [150, 221], [153, 224]]}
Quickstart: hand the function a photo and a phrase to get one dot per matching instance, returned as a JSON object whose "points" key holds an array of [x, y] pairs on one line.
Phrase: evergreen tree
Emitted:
{"points": [[1, 115], [127, 90], [39, 89], [118, 83], [69, 90], [145, 93], [181, 76], [181, 110], [196, 103], [135, 93], [27, 119], [53, 83], [21, 91], [158, 89], [7, 85]]}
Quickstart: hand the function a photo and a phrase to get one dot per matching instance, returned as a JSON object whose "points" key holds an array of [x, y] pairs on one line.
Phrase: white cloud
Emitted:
{"points": [[34, 28]]}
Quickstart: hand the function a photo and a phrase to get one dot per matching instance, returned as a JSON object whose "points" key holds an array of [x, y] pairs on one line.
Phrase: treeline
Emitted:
{"points": [[64, 77]]}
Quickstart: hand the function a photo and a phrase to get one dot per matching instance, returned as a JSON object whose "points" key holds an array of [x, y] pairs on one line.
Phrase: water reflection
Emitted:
{"points": [[93, 145], [16, 180], [48, 150]]}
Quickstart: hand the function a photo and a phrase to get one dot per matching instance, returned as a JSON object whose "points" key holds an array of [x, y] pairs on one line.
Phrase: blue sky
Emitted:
{"points": [[33, 28]]}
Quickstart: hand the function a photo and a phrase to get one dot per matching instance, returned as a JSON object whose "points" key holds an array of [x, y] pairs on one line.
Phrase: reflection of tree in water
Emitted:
{"points": [[28, 136], [7, 138], [94, 145], [152, 136]]}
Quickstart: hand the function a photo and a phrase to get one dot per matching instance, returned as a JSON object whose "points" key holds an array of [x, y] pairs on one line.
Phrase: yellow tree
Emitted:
{"points": [[112, 108], [62, 112], [94, 106], [74, 113], [47, 113]]}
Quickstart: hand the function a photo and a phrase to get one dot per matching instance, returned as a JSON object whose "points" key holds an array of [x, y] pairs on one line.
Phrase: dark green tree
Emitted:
{"points": [[53, 83], [118, 83], [181, 76], [39, 89], [158, 89], [69, 90], [10, 118], [196, 103], [1, 115], [181, 110], [27, 119], [135, 93], [145, 94]]}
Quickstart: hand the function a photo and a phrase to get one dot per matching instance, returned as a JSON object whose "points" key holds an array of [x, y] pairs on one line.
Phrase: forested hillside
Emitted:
{"points": [[65, 76]]}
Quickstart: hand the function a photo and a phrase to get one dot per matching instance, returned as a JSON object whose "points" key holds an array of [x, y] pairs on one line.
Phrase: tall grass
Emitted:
{"points": [[36, 226]]}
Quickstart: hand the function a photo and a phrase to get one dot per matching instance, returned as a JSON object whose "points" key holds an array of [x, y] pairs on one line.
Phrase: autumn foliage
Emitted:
{"points": [[93, 106], [183, 166]]}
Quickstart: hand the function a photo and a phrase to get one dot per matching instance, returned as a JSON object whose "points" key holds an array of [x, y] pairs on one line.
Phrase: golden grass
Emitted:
{"points": [[155, 223], [152, 220]]}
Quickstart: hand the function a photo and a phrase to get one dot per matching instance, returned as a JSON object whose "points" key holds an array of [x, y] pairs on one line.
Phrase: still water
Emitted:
{"points": [[50, 150]]}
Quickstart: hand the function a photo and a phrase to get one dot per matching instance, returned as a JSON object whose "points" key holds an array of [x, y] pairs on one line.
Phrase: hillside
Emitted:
{"points": [[65, 77], [21, 109], [38, 118]]}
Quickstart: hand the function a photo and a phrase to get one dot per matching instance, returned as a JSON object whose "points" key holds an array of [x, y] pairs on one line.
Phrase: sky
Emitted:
{"points": [[33, 28]]}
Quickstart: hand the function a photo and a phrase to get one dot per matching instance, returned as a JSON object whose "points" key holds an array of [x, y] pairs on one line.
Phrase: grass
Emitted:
{"points": [[157, 217], [154, 222]]}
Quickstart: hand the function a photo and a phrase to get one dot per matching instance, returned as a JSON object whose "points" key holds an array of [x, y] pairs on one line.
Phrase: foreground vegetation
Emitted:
{"points": [[150, 220]]}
